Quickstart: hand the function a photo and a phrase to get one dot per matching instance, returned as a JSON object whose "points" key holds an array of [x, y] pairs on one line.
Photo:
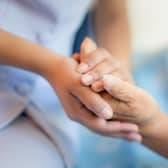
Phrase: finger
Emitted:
{"points": [[87, 47], [118, 126], [93, 59], [93, 102], [77, 112], [123, 75], [76, 57], [87, 119], [121, 109], [119, 89], [110, 129], [105, 128], [91, 56], [97, 86], [97, 73], [131, 136]]}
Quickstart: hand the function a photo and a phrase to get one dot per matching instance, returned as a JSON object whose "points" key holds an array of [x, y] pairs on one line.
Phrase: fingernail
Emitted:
{"points": [[87, 79], [107, 113], [97, 87], [82, 68]]}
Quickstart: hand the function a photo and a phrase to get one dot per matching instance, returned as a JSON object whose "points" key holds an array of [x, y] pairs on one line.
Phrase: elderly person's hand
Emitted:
{"points": [[134, 105], [129, 102]]}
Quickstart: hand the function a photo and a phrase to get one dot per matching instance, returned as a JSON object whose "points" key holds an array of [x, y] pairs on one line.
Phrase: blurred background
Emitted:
{"points": [[149, 26]]}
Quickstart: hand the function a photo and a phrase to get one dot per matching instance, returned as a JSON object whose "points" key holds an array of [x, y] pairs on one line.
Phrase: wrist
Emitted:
{"points": [[154, 127], [21, 53], [49, 65]]}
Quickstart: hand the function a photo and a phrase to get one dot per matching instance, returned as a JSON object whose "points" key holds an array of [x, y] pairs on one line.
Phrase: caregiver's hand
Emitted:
{"points": [[96, 62], [80, 102], [66, 82], [129, 102]]}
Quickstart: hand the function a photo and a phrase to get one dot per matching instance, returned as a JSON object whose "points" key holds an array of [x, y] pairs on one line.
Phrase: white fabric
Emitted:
{"points": [[55, 132], [24, 145]]}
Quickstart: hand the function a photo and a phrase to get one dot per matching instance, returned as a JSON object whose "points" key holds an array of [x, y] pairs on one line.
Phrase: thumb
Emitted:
{"points": [[119, 89], [87, 47]]}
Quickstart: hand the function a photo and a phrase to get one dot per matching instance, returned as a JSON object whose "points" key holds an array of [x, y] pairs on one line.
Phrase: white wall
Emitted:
{"points": [[149, 21]]}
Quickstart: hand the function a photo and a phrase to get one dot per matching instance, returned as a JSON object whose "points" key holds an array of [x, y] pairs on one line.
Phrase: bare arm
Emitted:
{"points": [[112, 29], [15, 51], [135, 105], [155, 135], [61, 74]]}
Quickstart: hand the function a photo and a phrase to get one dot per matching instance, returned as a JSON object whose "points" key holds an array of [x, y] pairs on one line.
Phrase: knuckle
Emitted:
{"points": [[131, 98]]}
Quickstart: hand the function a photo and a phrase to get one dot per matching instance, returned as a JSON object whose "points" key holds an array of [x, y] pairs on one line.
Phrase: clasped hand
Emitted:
{"points": [[81, 102]]}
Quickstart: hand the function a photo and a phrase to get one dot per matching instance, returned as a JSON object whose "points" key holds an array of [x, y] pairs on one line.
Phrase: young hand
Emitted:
{"points": [[80, 102]]}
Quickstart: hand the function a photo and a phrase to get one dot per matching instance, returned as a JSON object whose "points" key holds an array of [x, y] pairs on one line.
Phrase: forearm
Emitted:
{"points": [[15, 51], [112, 29], [155, 135]]}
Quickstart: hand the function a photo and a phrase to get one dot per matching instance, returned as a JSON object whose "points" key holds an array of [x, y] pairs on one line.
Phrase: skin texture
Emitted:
{"points": [[80, 103], [96, 62], [133, 104]]}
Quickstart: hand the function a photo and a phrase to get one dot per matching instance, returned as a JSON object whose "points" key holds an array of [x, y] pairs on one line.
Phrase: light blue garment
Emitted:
{"points": [[52, 24], [42, 22]]}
